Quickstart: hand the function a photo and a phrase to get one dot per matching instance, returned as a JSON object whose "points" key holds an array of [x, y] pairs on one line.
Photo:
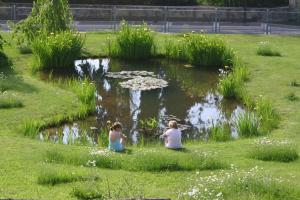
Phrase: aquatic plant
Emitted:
{"points": [[133, 42], [220, 133], [267, 49], [31, 128], [274, 150], [149, 126], [56, 51], [247, 124], [201, 50], [9, 102]]}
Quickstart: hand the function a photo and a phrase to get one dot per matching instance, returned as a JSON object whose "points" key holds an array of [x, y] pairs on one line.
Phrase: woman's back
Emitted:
{"points": [[173, 138]]}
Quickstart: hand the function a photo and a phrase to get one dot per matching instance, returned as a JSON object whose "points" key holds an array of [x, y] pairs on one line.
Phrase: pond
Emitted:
{"points": [[187, 95]]}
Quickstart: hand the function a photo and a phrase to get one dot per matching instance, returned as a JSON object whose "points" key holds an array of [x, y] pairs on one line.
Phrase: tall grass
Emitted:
{"points": [[133, 42], [220, 133], [267, 49], [9, 102], [141, 161], [88, 192], [247, 124], [266, 113], [57, 51], [201, 50], [31, 128], [51, 176]]}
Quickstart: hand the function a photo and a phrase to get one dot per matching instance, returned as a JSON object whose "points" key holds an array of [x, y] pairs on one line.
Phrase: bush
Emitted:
{"points": [[274, 152], [201, 50], [47, 16], [267, 49], [57, 51], [9, 102], [247, 125], [220, 133], [133, 42]]}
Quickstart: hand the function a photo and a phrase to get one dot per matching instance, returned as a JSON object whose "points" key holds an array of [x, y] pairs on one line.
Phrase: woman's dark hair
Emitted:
{"points": [[115, 126]]}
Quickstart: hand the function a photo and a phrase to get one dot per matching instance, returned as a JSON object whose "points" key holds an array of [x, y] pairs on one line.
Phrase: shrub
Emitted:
{"points": [[267, 49], [220, 133], [57, 51], [88, 192], [10, 102], [274, 152], [201, 50], [47, 16], [247, 125], [133, 42]]}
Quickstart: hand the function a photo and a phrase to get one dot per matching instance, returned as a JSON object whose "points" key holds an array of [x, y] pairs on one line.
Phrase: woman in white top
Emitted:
{"points": [[172, 136]]}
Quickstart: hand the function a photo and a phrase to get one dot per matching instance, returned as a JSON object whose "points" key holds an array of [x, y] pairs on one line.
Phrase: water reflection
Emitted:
{"points": [[189, 98]]}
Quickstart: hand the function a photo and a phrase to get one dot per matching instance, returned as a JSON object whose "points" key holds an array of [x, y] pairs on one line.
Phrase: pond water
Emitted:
{"points": [[190, 99]]}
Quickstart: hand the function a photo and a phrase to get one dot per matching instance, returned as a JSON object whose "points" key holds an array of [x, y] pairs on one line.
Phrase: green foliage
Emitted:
{"points": [[47, 16], [247, 124], [274, 152], [292, 96], [220, 133], [57, 51], [9, 102], [88, 192], [103, 137], [267, 49], [201, 50], [228, 86], [294, 83], [149, 126], [133, 42], [31, 128], [266, 113]]}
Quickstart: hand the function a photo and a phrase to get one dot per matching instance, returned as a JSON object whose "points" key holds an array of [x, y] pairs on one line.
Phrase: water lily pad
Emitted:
{"points": [[129, 74], [144, 83]]}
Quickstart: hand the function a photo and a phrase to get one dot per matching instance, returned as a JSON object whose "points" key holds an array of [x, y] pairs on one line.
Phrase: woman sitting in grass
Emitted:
{"points": [[172, 136], [116, 138]]}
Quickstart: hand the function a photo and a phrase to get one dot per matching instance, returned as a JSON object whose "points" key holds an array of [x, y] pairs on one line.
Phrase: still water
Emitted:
{"points": [[190, 98]]}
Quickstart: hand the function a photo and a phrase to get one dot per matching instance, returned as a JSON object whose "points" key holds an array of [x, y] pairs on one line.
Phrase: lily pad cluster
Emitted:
{"points": [[138, 80]]}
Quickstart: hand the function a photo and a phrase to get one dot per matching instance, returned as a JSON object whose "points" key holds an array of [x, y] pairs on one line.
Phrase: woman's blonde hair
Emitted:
{"points": [[115, 126], [173, 124]]}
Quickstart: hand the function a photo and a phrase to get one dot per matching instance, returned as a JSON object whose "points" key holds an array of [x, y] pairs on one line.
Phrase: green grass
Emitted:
{"points": [[23, 158], [88, 192], [247, 124], [267, 49], [10, 102], [292, 97]]}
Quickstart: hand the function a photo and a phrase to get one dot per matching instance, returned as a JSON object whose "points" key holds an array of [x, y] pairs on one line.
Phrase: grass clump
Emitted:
{"points": [[267, 49], [31, 128], [220, 133], [292, 97], [88, 192], [266, 113], [50, 176], [294, 83], [56, 51], [9, 102], [133, 42], [272, 150], [247, 124], [201, 50]]}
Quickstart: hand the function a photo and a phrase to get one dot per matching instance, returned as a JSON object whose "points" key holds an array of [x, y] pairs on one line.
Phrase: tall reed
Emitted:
{"points": [[247, 124]]}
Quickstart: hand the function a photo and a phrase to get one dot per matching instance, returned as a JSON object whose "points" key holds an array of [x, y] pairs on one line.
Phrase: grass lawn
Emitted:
{"points": [[22, 160]]}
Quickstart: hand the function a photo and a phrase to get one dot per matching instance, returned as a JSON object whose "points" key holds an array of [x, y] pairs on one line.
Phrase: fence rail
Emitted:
{"points": [[173, 19]]}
